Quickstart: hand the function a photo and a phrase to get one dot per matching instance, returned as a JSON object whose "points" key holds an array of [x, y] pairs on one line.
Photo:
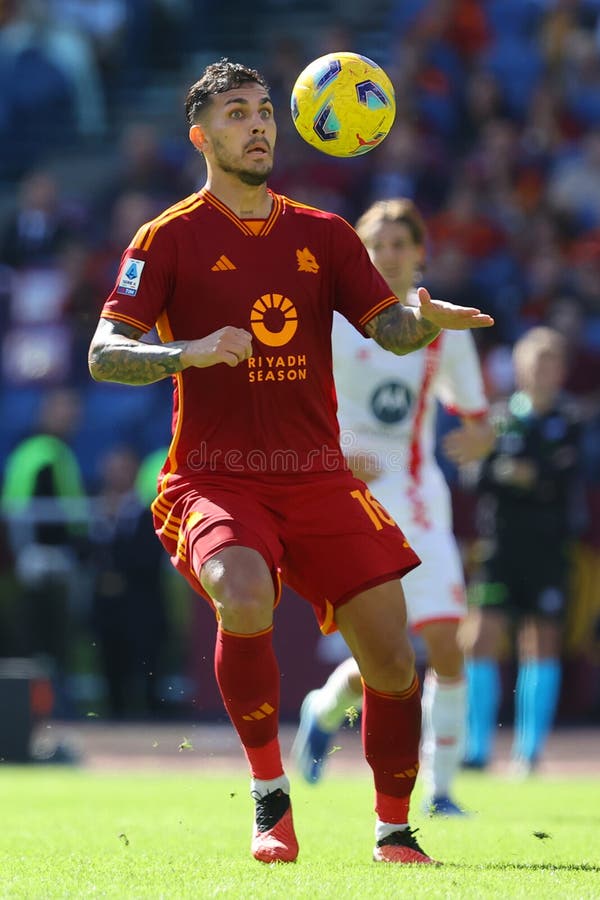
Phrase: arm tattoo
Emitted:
{"points": [[401, 329], [117, 354]]}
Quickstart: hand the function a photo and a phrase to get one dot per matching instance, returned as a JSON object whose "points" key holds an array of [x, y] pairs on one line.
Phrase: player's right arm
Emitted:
{"points": [[117, 353]]}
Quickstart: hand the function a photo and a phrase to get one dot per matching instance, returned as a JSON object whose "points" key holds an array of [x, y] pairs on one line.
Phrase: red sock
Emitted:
{"points": [[248, 678], [391, 731]]}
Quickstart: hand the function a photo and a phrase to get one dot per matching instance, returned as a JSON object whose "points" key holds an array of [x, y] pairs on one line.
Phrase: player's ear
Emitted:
{"points": [[198, 138]]}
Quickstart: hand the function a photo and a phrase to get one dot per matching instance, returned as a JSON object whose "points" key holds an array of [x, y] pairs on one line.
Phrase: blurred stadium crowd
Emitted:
{"points": [[497, 140]]}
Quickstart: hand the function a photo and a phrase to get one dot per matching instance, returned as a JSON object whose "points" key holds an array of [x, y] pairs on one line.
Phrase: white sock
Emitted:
{"points": [[383, 829], [260, 787], [330, 702], [444, 719]]}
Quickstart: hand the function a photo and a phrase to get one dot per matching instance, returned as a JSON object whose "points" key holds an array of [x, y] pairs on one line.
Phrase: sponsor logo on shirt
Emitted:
{"points": [[223, 264], [274, 320], [131, 274], [291, 367], [391, 402]]}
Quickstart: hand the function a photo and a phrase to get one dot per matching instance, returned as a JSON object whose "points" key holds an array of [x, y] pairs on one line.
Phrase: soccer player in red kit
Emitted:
{"points": [[255, 490]]}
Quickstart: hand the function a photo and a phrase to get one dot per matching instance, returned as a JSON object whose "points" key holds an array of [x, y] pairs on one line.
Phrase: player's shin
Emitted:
{"points": [[391, 731], [248, 677], [444, 724]]}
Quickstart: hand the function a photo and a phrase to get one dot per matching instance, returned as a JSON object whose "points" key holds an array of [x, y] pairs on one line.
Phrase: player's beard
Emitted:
{"points": [[253, 178], [246, 176]]}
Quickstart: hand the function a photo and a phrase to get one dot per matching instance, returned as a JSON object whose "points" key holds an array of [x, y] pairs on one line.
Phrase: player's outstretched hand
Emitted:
{"points": [[447, 315], [227, 345]]}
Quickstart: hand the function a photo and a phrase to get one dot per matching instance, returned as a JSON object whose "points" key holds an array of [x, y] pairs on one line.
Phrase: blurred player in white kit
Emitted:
{"points": [[387, 414]]}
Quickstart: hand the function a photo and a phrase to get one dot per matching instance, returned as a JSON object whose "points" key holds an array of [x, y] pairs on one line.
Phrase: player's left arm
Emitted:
{"points": [[403, 329]]}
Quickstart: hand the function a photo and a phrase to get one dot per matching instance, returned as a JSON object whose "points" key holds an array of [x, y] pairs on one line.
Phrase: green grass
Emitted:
{"points": [[75, 833]]}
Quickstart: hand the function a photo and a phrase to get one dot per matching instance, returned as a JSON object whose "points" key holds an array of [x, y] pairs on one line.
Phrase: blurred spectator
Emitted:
{"points": [[409, 165], [145, 165], [451, 277], [574, 185], [514, 57], [567, 315], [464, 224], [50, 91], [528, 491], [37, 229], [11, 641], [286, 59], [128, 212], [482, 103], [128, 612], [91, 267], [43, 499], [582, 79], [103, 23], [38, 243]]}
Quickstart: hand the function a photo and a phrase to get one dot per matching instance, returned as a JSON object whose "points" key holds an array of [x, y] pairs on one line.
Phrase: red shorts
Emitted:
{"points": [[325, 536]]}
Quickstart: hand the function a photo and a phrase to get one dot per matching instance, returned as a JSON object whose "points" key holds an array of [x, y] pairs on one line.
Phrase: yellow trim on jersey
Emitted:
{"points": [[143, 233], [275, 211], [170, 532], [251, 635], [165, 334], [160, 505], [288, 201], [383, 304], [127, 320], [171, 524], [168, 218], [400, 695], [192, 519], [228, 213], [164, 512], [247, 229]]}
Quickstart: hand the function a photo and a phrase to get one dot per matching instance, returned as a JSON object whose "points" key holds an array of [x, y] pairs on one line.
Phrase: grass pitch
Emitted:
{"points": [[76, 833]]}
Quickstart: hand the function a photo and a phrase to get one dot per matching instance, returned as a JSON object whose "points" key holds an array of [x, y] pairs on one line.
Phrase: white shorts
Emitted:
{"points": [[435, 590]]}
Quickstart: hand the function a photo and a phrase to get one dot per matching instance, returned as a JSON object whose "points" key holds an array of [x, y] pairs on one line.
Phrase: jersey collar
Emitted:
{"points": [[242, 224]]}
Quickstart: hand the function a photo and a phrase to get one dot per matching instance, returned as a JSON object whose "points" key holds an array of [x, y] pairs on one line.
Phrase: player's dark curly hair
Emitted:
{"points": [[218, 77]]}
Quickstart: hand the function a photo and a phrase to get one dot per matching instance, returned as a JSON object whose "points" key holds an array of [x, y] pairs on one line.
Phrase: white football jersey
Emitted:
{"points": [[387, 408]]}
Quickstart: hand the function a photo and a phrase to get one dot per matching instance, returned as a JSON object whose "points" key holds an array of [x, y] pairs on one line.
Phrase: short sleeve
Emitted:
{"points": [[144, 283]]}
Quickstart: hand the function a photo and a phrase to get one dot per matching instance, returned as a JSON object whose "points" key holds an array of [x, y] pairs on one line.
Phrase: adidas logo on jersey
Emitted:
{"points": [[223, 265]]}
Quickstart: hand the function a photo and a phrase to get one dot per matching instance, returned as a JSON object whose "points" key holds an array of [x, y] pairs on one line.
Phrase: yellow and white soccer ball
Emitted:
{"points": [[343, 104]]}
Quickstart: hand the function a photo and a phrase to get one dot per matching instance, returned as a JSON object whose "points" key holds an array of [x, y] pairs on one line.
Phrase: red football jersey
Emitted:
{"points": [[197, 268]]}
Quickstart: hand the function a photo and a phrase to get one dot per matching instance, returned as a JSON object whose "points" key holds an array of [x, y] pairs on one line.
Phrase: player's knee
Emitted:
{"points": [[243, 595], [447, 662], [390, 668], [444, 653]]}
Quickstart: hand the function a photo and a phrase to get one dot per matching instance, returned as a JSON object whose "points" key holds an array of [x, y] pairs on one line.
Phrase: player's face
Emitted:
{"points": [[394, 252], [238, 133]]}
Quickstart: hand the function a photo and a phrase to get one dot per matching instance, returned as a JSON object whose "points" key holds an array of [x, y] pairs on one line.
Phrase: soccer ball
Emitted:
{"points": [[343, 104]]}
